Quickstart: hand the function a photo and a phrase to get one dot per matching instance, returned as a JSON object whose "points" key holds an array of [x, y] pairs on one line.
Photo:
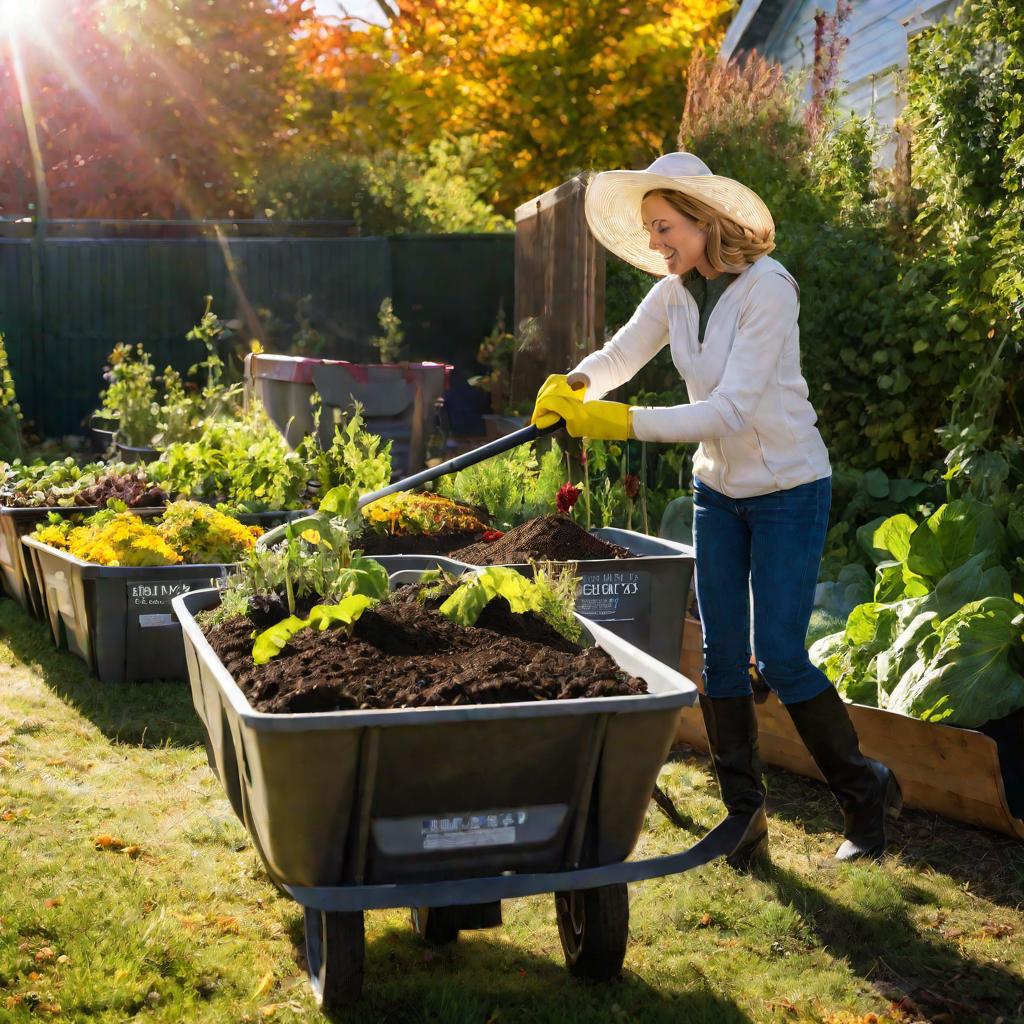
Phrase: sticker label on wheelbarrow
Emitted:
{"points": [[461, 831], [614, 596]]}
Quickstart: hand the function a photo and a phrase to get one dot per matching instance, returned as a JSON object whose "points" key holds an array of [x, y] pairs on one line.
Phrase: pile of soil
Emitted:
{"points": [[371, 543], [405, 654], [548, 539]]}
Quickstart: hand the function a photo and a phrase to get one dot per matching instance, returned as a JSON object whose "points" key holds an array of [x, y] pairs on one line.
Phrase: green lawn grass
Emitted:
{"points": [[184, 926]]}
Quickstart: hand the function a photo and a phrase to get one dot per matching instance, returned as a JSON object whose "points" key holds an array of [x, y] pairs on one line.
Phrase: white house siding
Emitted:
{"points": [[872, 64]]}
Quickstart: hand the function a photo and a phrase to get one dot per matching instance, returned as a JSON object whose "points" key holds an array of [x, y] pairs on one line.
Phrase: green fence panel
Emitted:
{"points": [[448, 290], [96, 292]]}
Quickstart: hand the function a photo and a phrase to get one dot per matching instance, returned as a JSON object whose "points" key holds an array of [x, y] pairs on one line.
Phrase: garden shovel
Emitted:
{"points": [[466, 459]]}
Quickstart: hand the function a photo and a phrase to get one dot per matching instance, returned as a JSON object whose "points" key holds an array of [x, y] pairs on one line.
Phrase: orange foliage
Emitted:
{"points": [[160, 109], [544, 90]]}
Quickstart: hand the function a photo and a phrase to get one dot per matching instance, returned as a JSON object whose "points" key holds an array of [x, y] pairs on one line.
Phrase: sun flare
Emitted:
{"points": [[17, 15]]}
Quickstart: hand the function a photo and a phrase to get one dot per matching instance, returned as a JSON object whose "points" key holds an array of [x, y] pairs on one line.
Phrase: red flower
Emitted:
{"points": [[632, 484], [490, 535], [567, 497]]}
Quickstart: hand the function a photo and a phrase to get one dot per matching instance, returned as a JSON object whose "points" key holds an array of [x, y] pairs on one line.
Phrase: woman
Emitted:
{"points": [[762, 480]]}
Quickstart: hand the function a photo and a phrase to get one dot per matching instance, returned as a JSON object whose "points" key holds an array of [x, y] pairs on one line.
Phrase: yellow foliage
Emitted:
{"points": [[411, 514], [542, 90], [188, 532]]}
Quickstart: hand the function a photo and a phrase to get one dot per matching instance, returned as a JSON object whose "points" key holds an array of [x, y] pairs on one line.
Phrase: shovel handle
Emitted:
{"points": [[471, 458]]}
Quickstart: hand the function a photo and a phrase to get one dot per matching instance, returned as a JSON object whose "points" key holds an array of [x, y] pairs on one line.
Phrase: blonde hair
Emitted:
{"points": [[730, 247]]}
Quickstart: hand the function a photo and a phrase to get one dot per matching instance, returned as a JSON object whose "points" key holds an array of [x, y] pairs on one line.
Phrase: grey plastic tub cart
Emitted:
{"points": [[360, 810]]}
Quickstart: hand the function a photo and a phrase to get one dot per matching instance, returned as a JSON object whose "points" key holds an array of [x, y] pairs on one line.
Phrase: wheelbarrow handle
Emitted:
{"points": [[471, 458], [719, 842], [466, 459]]}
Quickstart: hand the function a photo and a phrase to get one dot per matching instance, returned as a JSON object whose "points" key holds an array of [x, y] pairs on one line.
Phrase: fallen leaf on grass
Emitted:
{"points": [[106, 842], [989, 930], [222, 922], [705, 920], [115, 845], [53, 901], [45, 955], [34, 976], [265, 984], [783, 1004], [13, 813]]}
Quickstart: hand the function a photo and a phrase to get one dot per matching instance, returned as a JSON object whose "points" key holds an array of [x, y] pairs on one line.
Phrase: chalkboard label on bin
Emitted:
{"points": [[151, 599], [619, 600]]}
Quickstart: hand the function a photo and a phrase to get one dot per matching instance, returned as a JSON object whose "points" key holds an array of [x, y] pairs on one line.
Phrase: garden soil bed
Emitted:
{"points": [[412, 544], [548, 539], [404, 654]]}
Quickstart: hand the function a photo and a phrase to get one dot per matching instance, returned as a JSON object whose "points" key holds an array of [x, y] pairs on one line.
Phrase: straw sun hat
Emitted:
{"points": [[614, 197]]}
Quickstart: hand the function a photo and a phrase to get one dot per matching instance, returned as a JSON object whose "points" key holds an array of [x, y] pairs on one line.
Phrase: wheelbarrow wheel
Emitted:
{"points": [[335, 949], [593, 925], [436, 926]]}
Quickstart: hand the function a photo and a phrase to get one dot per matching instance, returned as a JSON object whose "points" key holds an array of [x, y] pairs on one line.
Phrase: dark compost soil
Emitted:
{"points": [[404, 654], [412, 544], [548, 539]]}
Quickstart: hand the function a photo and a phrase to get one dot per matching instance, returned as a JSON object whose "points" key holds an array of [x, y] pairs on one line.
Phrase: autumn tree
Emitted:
{"points": [[160, 108], [541, 90]]}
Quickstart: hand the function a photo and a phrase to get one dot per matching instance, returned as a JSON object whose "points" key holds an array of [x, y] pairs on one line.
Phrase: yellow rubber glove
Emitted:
{"points": [[600, 421], [557, 385]]}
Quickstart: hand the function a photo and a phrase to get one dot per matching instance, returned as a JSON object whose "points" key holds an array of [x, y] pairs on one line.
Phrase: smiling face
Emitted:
{"points": [[675, 236]]}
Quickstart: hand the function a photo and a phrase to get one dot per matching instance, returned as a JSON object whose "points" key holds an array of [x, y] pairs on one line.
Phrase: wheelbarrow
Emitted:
{"points": [[450, 810]]}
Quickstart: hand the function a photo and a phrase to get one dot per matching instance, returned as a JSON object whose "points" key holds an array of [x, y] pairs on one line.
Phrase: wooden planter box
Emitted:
{"points": [[949, 771]]}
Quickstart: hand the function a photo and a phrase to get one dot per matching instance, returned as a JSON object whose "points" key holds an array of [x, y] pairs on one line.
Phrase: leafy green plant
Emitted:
{"points": [[308, 557], [347, 611], [942, 612], [389, 343], [130, 397], [549, 595], [512, 488], [156, 410], [10, 412], [355, 457]]}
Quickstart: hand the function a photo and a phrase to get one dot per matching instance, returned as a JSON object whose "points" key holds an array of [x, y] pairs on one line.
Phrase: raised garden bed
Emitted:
{"points": [[18, 570], [116, 617]]}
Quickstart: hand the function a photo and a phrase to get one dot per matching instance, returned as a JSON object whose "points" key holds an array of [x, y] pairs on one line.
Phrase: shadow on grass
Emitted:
{"points": [[993, 864], [486, 977], [158, 714], [884, 945]]}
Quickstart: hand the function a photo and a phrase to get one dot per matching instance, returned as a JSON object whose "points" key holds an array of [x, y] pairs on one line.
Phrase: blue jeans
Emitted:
{"points": [[770, 545]]}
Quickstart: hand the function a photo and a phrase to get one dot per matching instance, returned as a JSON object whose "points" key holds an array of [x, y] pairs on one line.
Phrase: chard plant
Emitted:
{"points": [[551, 595]]}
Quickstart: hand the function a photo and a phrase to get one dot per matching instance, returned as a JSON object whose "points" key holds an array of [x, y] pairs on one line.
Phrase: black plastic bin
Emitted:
{"points": [[118, 619], [16, 568]]}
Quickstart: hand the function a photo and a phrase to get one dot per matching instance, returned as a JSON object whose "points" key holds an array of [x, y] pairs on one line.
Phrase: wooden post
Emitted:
{"points": [[559, 312]]}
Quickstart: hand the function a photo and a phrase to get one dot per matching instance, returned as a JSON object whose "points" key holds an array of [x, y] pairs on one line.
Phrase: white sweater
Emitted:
{"points": [[748, 399]]}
